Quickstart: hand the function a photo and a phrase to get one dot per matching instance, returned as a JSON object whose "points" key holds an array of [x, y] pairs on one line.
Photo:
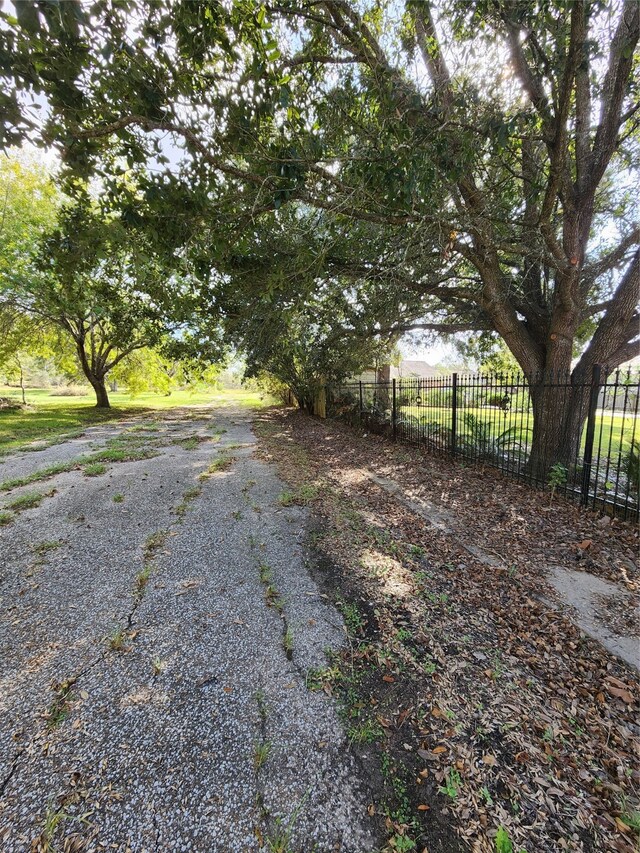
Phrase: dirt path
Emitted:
{"points": [[157, 628]]}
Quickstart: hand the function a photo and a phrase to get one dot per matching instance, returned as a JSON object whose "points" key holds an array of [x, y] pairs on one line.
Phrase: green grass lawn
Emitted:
{"points": [[613, 432], [49, 416]]}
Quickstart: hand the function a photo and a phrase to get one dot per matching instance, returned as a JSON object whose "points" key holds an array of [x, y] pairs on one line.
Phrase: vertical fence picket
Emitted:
{"points": [[454, 412], [591, 431]]}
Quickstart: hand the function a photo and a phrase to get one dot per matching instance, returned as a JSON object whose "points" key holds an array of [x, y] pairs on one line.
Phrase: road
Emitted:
{"points": [[157, 627]]}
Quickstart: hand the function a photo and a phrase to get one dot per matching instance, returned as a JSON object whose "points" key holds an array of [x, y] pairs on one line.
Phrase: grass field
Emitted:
{"points": [[613, 432], [49, 416]]}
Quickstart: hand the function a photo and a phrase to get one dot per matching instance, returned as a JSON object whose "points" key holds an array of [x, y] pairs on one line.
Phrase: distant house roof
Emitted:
{"points": [[414, 368]]}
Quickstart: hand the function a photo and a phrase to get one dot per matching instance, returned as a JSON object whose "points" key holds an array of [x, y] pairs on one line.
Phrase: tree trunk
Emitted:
{"points": [[559, 411], [99, 386]]}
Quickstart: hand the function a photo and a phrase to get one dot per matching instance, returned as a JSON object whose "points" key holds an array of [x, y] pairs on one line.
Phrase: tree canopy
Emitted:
{"points": [[474, 161]]}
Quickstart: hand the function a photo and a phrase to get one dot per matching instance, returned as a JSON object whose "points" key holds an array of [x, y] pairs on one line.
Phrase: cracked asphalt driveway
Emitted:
{"points": [[158, 622]]}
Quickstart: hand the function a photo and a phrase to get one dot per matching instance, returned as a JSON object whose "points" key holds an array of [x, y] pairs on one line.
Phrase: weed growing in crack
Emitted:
{"points": [[117, 640], [237, 515], [118, 499], [94, 469], [54, 817], [157, 666], [261, 753], [6, 518], [220, 463], [142, 579], [154, 542], [43, 548], [261, 700], [28, 501], [189, 496], [322, 679], [59, 708], [266, 575], [37, 476], [280, 840]]}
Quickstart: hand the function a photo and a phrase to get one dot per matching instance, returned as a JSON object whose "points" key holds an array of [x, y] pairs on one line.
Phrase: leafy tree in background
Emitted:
{"points": [[91, 281], [491, 148]]}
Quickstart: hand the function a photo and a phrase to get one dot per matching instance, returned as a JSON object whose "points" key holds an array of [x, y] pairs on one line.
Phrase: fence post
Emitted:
{"points": [[591, 431], [360, 384], [454, 412], [394, 413]]}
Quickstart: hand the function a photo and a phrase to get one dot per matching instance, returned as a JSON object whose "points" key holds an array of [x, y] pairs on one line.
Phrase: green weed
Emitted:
{"points": [[43, 548], [452, 783], [118, 499], [260, 754], [28, 501], [154, 542], [36, 476], [142, 579], [117, 640], [368, 731], [220, 463], [94, 469]]}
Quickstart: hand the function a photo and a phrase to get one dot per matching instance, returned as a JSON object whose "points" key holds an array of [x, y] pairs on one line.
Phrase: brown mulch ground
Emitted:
{"points": [[482, 713]]}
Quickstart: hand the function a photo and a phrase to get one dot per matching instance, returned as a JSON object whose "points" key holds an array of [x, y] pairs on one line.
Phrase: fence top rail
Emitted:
{"points": [[626, 376]]}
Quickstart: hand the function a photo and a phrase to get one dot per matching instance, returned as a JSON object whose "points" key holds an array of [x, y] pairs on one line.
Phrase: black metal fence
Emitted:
{"points": [[488, 418]]}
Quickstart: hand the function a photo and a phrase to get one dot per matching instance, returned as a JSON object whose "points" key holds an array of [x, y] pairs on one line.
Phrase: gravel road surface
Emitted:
{"points": [[157, 627]]}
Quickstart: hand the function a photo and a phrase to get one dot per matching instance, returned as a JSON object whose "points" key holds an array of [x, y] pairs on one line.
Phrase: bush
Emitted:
{"points": [[69, 391], [500, 401], [631, 467]]}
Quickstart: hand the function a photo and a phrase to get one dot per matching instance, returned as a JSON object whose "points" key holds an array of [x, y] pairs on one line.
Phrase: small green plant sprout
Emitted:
{"points": [[43, 548], [369, 731], [504, 844], [452, 783], [629, 815], [261, 753], [402, 843], [154, 542], [142, 579], [557, 478], [6, 518], [157, 666], [286, 498], [94, 469], [266, 575], [60, 706], [221, 463], [118, 499], [116, 640], [28, 501], [486, 795], [237, 514]]}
